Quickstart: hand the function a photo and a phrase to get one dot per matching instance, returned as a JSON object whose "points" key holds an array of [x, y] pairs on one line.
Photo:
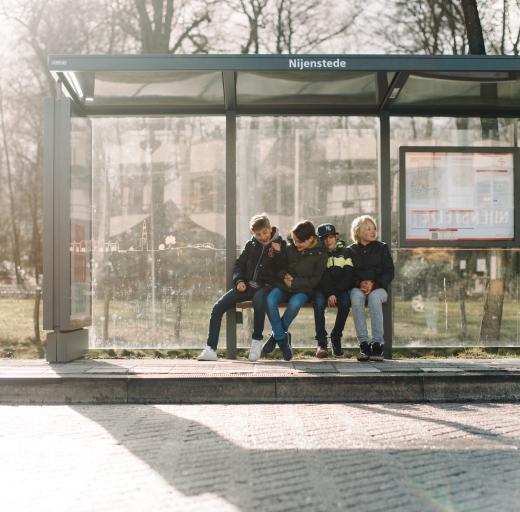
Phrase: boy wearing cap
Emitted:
{"points": [[333, 290], [254, 274]]}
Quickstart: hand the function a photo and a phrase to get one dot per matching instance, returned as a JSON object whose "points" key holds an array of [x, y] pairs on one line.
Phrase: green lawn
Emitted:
{"points": [[17, 331], [133, 326]]}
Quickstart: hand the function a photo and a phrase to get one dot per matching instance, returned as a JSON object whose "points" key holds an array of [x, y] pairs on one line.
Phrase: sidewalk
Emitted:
{"points": [[239, 381], [261, 457]]}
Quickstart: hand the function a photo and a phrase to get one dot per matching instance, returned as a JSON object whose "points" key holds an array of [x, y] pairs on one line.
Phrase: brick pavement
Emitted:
{"points": [[263, 457]]}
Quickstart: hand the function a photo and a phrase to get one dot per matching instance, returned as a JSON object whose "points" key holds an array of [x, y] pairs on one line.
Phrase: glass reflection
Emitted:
{"points": [[448, 297], [318, 168], [159, 230], [80, 222]]}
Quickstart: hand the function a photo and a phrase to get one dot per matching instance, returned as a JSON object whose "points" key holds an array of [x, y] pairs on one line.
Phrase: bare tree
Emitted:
{"points": [[162, 26], [502, 28], [254, 11], [473, 27], [426, 26], [494, 301], [302, 26], [14, 219]]}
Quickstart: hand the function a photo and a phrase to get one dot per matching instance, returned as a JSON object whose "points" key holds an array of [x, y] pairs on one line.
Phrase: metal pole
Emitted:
{"points": [[385, 216], [231, 227], [296, 175]]}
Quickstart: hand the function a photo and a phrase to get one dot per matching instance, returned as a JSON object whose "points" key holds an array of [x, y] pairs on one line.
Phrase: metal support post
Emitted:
{"points": [[385, 217], [231, 227]]}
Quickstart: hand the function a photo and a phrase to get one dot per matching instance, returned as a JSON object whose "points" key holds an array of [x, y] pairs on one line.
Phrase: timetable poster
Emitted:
{"points": [[459, 196]]}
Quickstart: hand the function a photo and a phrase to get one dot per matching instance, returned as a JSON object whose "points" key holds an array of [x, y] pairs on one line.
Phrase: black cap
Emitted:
{"points": [[324, 230]]}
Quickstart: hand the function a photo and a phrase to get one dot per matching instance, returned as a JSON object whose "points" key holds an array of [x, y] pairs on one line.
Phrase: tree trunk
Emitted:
{"points": [[477, 47], [12, 199], [106, 310], [494, 302], [473, 27], [36, 314]]}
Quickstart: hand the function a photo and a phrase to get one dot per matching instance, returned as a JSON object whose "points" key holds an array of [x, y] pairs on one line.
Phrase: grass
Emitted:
{"points": [[132, 334], [306, 353], [17, 330]]}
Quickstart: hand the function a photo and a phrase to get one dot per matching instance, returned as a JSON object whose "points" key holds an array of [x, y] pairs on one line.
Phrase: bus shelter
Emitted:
{"points": [[144, 213]]}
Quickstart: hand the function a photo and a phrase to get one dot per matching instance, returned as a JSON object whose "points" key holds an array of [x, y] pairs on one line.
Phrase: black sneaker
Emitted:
{"points": [[285, 347], [364, 352], [270, 345], [376, 351], [336, 347]]}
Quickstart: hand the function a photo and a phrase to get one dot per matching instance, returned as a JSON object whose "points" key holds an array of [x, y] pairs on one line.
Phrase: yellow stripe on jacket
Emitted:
{"points": [[339, 262]]}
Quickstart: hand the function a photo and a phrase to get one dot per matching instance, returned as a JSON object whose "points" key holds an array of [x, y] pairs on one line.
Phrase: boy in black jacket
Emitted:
{"points": [[333, 290], [253, 276], [373, 272]]}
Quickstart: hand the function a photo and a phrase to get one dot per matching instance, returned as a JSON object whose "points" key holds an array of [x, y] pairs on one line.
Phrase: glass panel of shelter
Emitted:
{"points": [[294, 168], [467, 90], [152, 88], [158, 230], [291, 88], [80, 222], [439, 294]]}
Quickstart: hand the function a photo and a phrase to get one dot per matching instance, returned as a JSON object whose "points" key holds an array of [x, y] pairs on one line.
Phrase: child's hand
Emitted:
{"points": [[332, 301], [366, 286], [241, 286], [287, 279], [276, 246]]}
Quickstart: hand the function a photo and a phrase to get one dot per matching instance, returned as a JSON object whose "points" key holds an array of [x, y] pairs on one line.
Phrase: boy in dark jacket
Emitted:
{"points": [[253, 276], [373, 273], [301, 267], [333, 290]]}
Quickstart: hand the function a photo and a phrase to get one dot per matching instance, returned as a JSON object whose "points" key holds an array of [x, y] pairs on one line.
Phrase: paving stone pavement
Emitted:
{"points": [[269, 457]]}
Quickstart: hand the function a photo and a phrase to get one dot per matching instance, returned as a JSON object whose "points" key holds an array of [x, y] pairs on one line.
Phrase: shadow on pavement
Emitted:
{"points": [[322, 465]]}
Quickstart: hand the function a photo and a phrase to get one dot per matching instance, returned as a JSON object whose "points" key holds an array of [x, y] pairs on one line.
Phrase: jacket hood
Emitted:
{"points": [[275, 236]]}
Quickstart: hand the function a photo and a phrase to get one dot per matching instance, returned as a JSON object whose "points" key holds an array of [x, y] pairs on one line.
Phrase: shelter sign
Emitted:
{"points": [[458, 195]]}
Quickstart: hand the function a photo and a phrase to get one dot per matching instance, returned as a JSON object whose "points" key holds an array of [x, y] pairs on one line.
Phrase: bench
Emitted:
{"points": [[248, 304]]}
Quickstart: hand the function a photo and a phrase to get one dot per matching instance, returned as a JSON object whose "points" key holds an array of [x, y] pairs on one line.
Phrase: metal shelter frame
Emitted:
{"points": [[320, 85]]}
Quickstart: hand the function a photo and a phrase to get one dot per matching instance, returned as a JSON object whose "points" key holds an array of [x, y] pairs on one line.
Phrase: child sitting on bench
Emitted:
{"points": [[373, 272], [253, 276], [301, 265], [333, 290]]}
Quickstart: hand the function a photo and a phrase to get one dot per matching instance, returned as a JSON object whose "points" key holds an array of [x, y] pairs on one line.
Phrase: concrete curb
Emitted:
{"points": [[162, 389]]}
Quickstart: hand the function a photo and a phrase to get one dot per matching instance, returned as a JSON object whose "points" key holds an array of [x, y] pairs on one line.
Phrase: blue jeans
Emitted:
{"points": [[320, 303], [227, 301], [375, 301], [294, 302]]}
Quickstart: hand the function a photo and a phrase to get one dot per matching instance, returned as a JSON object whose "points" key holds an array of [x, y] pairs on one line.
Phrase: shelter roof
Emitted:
{"points": [[444, 85]]}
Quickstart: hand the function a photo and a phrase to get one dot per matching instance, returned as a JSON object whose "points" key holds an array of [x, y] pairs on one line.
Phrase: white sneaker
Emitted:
{"points": [[255, 350], [208, 354]]}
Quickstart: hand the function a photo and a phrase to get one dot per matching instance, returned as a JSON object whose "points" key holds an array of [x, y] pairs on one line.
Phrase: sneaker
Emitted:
{"points": [[208, 354], [336, 348], [376, 352], [255, 350], [321, 353], [270, 345], [285, 347], [364, 352]]}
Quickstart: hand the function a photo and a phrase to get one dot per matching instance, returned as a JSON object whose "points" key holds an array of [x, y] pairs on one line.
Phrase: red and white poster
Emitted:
{"points": [[459, 196]]}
